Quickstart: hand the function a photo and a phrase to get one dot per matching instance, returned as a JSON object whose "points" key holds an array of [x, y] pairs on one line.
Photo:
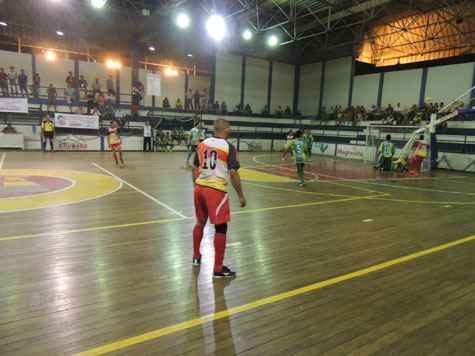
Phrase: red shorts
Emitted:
{"points": [[115, 146], [211, 203]]}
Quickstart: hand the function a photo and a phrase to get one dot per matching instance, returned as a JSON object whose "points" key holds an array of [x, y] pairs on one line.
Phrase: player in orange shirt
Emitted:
{"points": [[114, 141], [421, 154]]}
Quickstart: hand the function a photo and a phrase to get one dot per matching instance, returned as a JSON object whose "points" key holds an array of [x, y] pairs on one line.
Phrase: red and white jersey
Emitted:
{"points": [[290, 137], [113, 134], [422, 148], [215, 157]]}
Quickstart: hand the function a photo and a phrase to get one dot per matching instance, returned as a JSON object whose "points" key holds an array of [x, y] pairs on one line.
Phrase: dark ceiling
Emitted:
{"points": [[309, 30]]}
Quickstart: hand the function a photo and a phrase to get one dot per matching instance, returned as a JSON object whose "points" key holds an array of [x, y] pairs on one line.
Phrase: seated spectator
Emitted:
{"points": [[323, 116], [101, 102], [370, 114], [165, 103], [349, 113], [216, 108], [288, 112], [91, 99], [95, 111], [224, 108], [4, 81], [119, 117], [22, 82], [248, 110], [35, 88], [265, 111], [237, 109], [52, 95], [178, 104], [83, 85], [278, 112], [9, 129], [398, 113], [79, 110], [96, 87], [69, 94]]}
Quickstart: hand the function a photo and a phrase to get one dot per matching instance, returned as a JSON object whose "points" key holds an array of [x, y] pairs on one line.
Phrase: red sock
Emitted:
{"points": [[115, 156], [197, 236], [120, 154], [219, 248]]}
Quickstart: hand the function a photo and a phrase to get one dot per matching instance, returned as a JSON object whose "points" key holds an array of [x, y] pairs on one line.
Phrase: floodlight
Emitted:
{"points": [[151, 48], [190, 55], [175, 72], [183, 20], [59, 33], [98, 3], [110, 63], [273, 40], [247, 35], [216, 27], [50, 55], [3, 23], [117, 65], [168, 71]]}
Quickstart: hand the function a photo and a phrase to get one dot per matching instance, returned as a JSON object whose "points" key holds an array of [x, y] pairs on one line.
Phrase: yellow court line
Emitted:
{"points": [[351, 186], [108, 227], [421, 201], [301, 191], [114, 346]]}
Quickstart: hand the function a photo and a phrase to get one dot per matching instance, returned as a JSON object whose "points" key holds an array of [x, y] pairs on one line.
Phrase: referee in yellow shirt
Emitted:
{"points": [[47, 131]]}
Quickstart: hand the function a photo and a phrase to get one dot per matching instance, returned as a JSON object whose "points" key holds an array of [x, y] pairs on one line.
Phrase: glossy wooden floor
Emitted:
{"points": [[82, 276]]}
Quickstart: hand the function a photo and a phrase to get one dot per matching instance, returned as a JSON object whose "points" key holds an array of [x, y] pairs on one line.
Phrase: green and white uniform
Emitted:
{"points": [[387, 150], [299, 147], [194, 138], [309, 142]]}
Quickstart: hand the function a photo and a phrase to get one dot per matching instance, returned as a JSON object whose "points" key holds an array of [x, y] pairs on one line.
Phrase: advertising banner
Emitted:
{"points": [[77, 121], [18, 105]]}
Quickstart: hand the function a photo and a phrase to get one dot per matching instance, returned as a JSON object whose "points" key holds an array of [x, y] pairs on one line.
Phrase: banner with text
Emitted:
{"points": [[78, 143], [154, 84], [19, 105], [77, 121], [350, 151], [322, 148]]}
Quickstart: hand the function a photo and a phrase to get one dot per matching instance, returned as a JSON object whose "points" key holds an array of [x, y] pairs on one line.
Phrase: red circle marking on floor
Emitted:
{"points": [[16, 186]]}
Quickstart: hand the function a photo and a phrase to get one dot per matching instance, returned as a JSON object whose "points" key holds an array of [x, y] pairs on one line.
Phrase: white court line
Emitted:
{"points": [[141, 191], [233, 244], [2, 160], [426, 189]]}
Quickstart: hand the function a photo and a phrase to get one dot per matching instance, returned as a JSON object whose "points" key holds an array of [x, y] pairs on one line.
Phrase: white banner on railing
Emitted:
{"points": [[154, 84], [19, 105], [77, 121], [322, 148]]}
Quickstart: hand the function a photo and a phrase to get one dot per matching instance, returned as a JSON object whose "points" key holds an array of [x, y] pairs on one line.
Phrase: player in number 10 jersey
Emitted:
{"points": [[215, 161]]}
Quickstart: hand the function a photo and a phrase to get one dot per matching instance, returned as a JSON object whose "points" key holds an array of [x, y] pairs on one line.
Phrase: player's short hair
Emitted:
{"points": [[388, 137], [421, 137], [298, 133], [197, 123], [220, 125]]}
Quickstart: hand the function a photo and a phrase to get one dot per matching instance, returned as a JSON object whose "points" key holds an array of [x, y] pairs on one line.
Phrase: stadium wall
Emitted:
{"points": [[256, 84], [309, 91]]}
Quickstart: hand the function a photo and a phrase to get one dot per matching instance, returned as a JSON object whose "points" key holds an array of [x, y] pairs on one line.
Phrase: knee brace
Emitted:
{"points": [[221, 228]]}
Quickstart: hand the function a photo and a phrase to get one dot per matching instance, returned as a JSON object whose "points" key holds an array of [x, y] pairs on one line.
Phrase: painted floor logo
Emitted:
{"points": [[28, 189]]}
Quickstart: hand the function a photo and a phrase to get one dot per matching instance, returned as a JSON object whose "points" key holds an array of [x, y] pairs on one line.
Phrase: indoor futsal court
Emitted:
{"points": [[346, 266]]}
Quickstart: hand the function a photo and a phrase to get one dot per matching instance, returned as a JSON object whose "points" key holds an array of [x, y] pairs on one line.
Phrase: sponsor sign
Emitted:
{"points": [[19, 105], [154, 84], [322, 148], [78, 143], [77, 121], [350, 151]]}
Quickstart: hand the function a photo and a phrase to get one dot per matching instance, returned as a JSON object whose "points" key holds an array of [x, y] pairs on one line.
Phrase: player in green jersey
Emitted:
{"points": [[386, 151], [193, 141], [181, 135], [309, 143], [300, 148]]}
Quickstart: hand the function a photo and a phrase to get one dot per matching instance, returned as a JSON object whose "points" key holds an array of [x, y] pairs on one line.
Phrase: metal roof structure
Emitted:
{"points": [[308, 30]]}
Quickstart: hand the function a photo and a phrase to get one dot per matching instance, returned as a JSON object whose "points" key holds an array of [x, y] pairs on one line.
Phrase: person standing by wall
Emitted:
{"points": [[22, 82], [35, 88], [4, 81], [12, 77], [47, 132], [147, 137], [189, 100]]}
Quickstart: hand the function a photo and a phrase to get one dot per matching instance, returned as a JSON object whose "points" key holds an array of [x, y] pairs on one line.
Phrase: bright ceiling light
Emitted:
{"points": [[3, 23], [216, 27], [247, 35], [175, 72], [190, 55], [183, 20], [151, 48], [168, 71], [98, 3], [50, 55], [117, 65], [59, 33], [273, 40]]}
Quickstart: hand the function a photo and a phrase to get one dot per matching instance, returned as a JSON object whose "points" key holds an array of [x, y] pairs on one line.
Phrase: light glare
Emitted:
{"points": [[98, 3], [51, 56], [216, 27], [175, 72], [59, 33], [273, 40], [168, 71], [151, 48], [183, 20], [247, 35], [3, 23], [117, 65]]}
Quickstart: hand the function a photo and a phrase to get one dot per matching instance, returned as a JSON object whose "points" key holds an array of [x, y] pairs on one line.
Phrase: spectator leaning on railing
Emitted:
{"points": [[70, 93], [52, 95], [4, 81], [83, 85], [96, 87], [35, 88], [12, 77], [23, 83]]}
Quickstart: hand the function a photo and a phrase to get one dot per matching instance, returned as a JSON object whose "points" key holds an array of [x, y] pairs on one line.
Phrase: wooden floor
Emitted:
{"points": [[113, 274]]}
